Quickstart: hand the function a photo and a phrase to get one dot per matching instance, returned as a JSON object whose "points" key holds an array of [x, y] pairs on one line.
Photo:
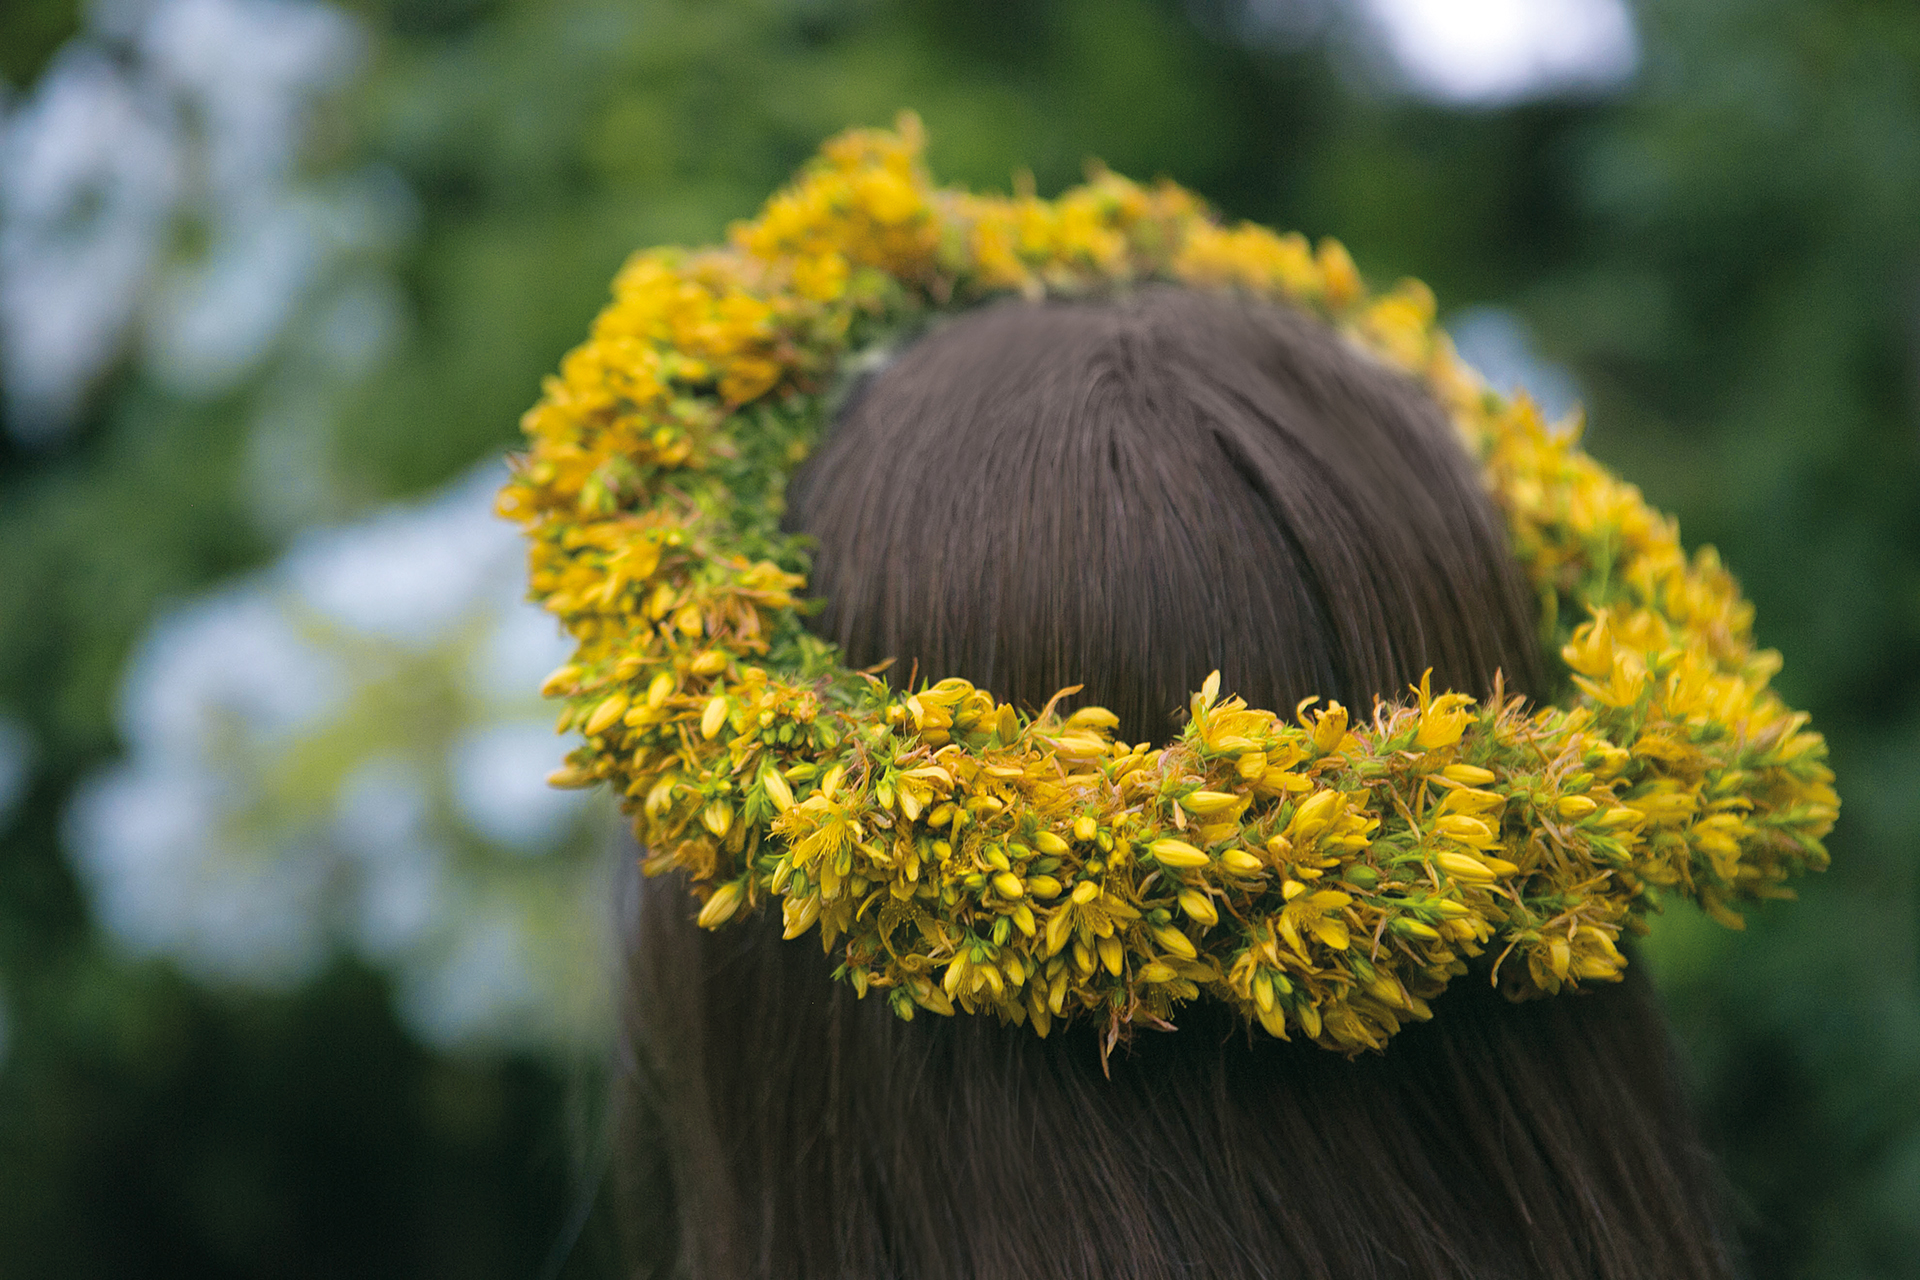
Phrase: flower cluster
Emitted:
{"points": [[1326, 874]]}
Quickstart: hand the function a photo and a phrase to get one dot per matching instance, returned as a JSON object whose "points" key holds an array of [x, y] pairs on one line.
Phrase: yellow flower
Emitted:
{"points": [[961, 853]]}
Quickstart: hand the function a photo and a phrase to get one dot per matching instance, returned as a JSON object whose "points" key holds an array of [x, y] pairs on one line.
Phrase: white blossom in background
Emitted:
{"points": [[347, 753], [153, 202], [1471, 52], [1498, 343], [87, 183]]}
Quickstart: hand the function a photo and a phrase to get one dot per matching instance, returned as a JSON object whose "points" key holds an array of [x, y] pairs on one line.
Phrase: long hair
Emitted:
{"points": [[1128, 494]]}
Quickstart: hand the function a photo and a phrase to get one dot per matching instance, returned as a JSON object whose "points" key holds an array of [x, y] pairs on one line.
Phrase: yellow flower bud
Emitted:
{"points": [[1464, 828], [1206, 803], [777, 789], [799, 916], [1173, 941], [1462, 867], [659, 798], [1050, 844], [1177, 853], [1199, 906], [1329, 727], [1309, 1015], [721, 906], [1154, 971], [610, 709], [1008, 885], [1085, 828], [1471, 775], [1471, 800], [1043, 887], [1093, 718], [1241, 863], [1575, 807], [1112, 954], [658, 688], [1590, 968], [1559, 956], [714, 716], [1084, 892]]}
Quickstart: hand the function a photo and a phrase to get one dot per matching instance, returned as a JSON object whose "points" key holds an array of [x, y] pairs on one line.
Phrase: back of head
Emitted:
{"points": [[1131, 495], [1127, 495]]}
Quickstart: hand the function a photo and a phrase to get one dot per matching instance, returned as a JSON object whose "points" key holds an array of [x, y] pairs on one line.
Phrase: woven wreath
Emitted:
{"points": [[1321, 872]]}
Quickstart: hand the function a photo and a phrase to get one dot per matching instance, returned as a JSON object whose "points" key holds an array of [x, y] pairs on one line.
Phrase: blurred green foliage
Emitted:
{"points": [[1727, 255]]}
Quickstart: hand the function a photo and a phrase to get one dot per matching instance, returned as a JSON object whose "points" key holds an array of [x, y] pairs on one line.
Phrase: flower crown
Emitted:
{"points": [[1322, 873]]}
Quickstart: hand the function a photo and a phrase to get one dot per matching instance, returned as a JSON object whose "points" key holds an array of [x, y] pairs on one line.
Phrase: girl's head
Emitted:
{"points": [[1126, 495]]}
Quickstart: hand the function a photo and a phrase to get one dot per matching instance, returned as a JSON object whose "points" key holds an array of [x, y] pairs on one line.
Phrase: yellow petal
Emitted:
{"points": [[1330, 931]]}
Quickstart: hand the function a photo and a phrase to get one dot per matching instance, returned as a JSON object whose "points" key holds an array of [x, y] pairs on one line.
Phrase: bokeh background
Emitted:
{"points": [[303, 972]]}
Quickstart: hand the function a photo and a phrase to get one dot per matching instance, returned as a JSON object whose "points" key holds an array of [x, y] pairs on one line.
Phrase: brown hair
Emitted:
{"points": [[1129, 494]]}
